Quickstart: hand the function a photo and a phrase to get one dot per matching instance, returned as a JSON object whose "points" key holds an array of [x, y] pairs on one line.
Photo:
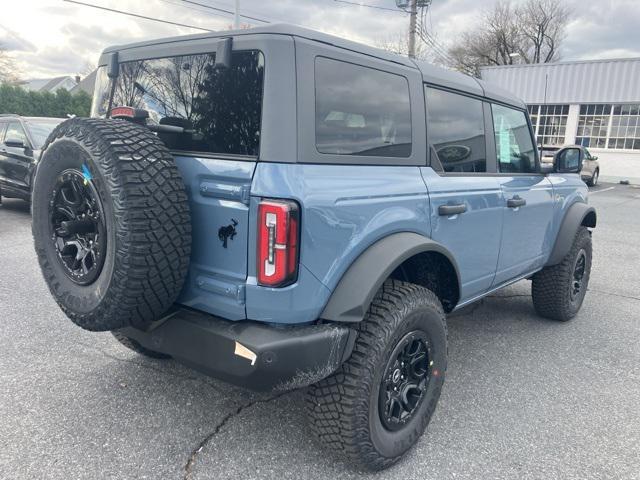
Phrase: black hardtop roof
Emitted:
{"points": [[430, 73]]}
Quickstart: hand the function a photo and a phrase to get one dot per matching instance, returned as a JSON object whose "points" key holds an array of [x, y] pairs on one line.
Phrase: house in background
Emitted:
{"points": [[52, 85], [86, 84]]}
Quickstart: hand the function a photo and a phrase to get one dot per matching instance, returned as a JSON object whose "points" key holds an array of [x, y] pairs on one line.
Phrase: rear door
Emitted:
{"points": [[528, 197], [465, 194]]}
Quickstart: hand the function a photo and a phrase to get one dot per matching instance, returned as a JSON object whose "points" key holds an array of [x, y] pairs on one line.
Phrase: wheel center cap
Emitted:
{"points": [[396, 375]]}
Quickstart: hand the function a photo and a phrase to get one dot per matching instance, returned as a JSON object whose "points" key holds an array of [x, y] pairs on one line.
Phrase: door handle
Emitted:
{"points": [[516, 202], [447, 210]]}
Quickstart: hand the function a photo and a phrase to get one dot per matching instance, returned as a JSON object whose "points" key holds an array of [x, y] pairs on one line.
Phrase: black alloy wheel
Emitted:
{"points": [[405, 380], [77, 226], [579, 270]]}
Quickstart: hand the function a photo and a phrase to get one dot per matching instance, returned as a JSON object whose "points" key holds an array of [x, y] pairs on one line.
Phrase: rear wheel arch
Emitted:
{"points": [[403, 256]]}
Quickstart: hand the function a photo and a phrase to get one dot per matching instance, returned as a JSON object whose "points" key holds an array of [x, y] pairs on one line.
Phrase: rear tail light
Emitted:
{"points": [[278, 233]]}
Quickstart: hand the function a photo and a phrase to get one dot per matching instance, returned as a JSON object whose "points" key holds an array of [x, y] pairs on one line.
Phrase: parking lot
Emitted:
{"points": [[524, 397]]}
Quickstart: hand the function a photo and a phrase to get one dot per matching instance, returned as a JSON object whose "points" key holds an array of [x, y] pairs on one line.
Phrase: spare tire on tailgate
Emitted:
{"points": [[111, 223]]}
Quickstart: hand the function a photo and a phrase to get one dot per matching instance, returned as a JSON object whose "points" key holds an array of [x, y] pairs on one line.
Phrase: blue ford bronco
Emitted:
{"points": [[280, 208]]}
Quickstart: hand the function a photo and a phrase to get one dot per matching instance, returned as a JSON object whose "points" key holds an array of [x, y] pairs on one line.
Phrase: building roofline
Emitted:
{"points": [[555, 64]]}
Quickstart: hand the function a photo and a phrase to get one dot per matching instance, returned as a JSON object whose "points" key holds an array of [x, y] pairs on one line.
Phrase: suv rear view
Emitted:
{"points": [[269, 206]]}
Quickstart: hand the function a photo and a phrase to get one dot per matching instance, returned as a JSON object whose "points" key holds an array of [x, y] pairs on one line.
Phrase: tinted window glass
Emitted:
{"points": [[16, 132], [3, 127], [514, 146], [361, 111], [40, 130], [220, 109], [456, 131]]}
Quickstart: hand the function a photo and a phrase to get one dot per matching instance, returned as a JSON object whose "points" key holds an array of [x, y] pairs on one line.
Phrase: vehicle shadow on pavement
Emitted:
{"points": [[14, 205]]}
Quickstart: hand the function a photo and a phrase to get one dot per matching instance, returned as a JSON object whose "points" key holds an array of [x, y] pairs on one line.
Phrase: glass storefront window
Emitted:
{"points": [[593, 124], [549, 123]]}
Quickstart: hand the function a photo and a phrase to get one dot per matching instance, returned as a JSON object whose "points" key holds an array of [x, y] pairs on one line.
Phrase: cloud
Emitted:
{"points": [[14, 42]]}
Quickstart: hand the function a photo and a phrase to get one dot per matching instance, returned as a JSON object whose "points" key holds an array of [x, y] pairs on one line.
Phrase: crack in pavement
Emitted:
{"points": [[603, 292], [188, 468]]}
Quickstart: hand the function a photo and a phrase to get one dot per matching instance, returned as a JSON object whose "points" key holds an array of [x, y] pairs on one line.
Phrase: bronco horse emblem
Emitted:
{"points": [[228, 232]]}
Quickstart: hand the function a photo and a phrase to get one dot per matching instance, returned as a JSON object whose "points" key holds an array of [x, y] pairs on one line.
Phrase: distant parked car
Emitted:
{"points": [[590, 167], [21, 141]]}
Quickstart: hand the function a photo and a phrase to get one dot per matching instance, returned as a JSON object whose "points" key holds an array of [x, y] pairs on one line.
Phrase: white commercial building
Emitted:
{"points": [[591, 103]]}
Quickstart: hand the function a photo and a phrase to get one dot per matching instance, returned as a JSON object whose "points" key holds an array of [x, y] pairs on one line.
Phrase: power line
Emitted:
{"points": [[122, 12], [356, 4], [178, 3], [211, 7]]}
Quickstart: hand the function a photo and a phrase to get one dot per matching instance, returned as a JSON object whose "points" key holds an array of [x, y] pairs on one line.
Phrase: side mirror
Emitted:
{"points": [[594, 158], [569, 160], [14, 142]]}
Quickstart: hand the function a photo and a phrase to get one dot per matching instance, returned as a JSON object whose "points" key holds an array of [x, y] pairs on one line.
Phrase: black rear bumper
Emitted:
{"points": [[249, 354]]}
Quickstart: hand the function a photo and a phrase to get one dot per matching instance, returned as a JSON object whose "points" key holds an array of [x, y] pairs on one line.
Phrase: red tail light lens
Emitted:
{"points": [[278, 233]]}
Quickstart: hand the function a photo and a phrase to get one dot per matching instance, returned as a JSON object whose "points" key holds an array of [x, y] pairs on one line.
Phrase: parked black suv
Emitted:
{"points": [[21, 139]]}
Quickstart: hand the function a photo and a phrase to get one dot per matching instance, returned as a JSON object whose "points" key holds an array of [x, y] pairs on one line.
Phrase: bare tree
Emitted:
{"points": [[399, 43], [426, 49], [8, 69], [530, 33], [87, 68], [542, 24]]}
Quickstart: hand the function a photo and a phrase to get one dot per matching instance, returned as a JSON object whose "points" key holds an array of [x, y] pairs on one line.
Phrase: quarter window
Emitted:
{"points": [[514, 146], [361, 111], [456, 130]]}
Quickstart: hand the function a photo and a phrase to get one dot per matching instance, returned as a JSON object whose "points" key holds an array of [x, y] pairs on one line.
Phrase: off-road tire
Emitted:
{"points": [[131, 344], [551, 287], [146, 212], [343, 408]]}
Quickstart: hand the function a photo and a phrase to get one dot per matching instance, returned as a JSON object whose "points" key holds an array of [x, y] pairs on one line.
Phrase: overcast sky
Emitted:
{"points": [[52, 37]]}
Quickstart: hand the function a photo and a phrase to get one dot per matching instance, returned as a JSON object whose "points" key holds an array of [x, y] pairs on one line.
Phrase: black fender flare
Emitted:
{"points": [[577, 215], [352, 296]]}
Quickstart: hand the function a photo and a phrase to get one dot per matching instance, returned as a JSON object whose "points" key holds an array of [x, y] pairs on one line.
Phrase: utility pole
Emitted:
{"points": [[236, 18], [413, 17]]}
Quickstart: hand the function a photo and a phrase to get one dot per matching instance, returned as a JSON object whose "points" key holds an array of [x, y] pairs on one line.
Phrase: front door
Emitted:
{"points": [[16, 160], [527, 197], [3, 156]]}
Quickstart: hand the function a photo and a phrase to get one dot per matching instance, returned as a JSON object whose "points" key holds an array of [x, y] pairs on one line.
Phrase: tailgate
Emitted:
{"points": [[218, 192]]}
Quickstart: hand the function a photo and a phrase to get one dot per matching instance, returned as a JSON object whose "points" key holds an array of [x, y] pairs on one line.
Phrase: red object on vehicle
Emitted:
{"points": [[278, 234], [129, 112]]}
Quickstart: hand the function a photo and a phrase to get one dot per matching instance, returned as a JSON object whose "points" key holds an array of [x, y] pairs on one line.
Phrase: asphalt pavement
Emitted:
{"points": [[524, 398]]}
